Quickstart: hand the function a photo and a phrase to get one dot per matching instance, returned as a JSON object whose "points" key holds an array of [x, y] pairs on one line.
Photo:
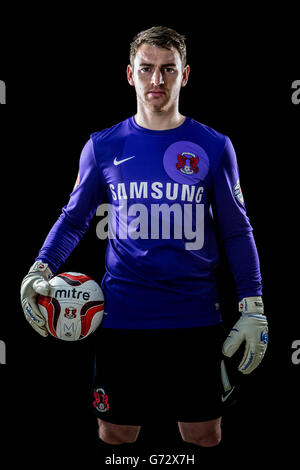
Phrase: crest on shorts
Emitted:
{"points": [[100, 402]]}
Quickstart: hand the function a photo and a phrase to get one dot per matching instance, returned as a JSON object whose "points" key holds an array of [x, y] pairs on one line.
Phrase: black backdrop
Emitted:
{"points": [[65, 79]]}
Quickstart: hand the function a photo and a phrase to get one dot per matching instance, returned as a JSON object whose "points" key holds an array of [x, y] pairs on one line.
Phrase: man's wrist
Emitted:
{"points": [[41, 267], [251, 305]]}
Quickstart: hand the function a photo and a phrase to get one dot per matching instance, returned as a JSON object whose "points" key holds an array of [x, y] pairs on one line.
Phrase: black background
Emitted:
{"points": [[65, 78]]}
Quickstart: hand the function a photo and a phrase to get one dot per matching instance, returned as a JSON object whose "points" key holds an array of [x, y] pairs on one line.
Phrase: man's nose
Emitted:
{"points": [[157, 77]]}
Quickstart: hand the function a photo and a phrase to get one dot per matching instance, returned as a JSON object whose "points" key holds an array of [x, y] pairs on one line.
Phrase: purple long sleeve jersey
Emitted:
{"points": [[167, 193]]}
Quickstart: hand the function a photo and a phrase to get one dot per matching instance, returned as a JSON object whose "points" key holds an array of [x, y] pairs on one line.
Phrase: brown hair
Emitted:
{"points": [[159, 36]]}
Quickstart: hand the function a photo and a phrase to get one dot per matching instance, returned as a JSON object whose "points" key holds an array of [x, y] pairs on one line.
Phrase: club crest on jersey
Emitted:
{"points": [[187, 163], [70, 313], [100, 400]]}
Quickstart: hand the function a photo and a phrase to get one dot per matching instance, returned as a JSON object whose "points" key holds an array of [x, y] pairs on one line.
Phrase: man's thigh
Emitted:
{"points": [[143, 375], [199, 377]]}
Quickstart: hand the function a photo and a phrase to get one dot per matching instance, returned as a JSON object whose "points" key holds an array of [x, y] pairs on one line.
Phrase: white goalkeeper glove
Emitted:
{"points": [[35, 283], [252, 328]]}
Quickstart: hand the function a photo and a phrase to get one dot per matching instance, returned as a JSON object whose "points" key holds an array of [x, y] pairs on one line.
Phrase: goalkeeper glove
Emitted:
{"points": [[35, 283], [252, 328]]}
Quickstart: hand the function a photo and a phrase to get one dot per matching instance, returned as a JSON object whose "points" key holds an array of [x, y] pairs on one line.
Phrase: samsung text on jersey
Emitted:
{"points": [[138, 220]]}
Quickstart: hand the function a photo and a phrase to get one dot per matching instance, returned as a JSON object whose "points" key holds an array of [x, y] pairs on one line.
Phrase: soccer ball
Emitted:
{"points": [[74, 308]]}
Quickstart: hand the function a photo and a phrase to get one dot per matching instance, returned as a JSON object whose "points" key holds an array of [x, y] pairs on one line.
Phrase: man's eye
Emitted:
{"points": [[145, 69], [169, 69]]}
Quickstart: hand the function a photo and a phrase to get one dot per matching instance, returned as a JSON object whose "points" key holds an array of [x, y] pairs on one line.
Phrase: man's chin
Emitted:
{"points": [[158, 106]]}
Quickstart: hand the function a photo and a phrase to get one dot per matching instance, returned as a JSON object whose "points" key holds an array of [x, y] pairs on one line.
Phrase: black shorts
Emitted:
{"points": [[143, 376]]}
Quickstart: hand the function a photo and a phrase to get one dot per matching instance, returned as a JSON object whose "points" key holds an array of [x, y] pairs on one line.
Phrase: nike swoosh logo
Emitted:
{"points": [[118, 162], [224, 397]]}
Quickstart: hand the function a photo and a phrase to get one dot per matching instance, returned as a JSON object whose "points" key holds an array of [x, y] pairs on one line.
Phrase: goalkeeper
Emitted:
{"points": [[161, 300]]}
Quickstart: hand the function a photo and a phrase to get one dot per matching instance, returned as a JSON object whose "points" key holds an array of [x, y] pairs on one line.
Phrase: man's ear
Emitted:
{"points": [[129, 72], [185, 75]]}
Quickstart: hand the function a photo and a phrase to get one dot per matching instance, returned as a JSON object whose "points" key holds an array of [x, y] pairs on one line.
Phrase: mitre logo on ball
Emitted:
{"points": [[74, 308]]}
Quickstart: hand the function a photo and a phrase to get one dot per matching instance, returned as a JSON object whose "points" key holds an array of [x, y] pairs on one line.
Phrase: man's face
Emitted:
{"points": [[157, 76]]}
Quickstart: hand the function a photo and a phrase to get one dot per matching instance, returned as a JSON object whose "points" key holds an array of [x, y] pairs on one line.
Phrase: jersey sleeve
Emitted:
{"points": [[77, 214], [233, 225], [227, 199]]}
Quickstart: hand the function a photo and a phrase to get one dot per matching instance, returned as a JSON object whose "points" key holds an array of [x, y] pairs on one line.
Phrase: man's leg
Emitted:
{"points": [[204, 434], [118, 388], [116, 433]]}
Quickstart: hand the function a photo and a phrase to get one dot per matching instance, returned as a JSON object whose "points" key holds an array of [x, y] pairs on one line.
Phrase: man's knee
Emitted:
{"points": [[210, 439], [117, 433], [202, 434]]}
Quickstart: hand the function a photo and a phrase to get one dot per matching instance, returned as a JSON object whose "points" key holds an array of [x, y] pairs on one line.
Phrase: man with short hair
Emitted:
{"points": [[172, 182]]}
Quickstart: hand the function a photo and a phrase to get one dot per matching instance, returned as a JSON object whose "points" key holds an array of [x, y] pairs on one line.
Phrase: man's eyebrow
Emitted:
{"points": [[144, 64]]}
